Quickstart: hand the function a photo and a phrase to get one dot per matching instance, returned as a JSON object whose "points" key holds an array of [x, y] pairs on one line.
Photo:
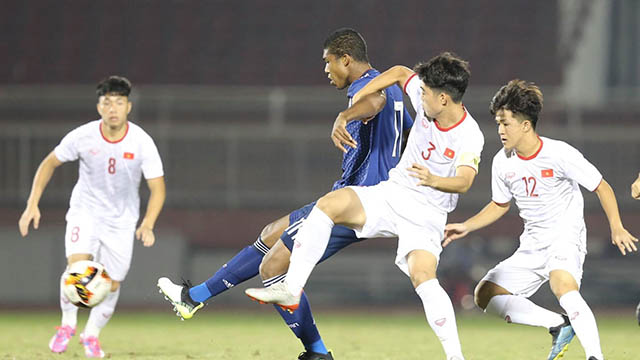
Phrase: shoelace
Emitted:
{"points": [[93, 344], [63, 332]]}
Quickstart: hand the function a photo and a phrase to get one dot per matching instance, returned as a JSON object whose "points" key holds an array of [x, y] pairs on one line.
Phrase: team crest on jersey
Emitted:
{"points": [[128, 155], [547, 173]]}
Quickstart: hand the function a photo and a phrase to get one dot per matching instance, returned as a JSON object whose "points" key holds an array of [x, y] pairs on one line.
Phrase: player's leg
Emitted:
{"points": [[337, 207], [301, 322], [115, 255], [496, 300], [504, 292], [565, 287], [437, 305], [80, 244], [341, 207], [243, 266], [67, 328]]}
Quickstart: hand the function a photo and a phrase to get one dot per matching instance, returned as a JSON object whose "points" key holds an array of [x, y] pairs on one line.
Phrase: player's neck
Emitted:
{"points": [[449, 118], [529, 145], [358, 70], [114, 133]]}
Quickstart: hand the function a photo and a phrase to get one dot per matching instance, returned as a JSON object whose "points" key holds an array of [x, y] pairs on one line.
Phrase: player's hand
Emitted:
{"points": [[340, 136], [625, 242], [421, 173], [635, 188], [30, 213], [145, 234], [454, 232]]}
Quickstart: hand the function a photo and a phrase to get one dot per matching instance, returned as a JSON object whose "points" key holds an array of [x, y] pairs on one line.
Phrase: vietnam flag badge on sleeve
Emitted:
{"points": [[128, 155], [547, 173]]}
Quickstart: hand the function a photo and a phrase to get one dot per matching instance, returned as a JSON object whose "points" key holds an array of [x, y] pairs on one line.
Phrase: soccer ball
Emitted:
{"points": [[85, 283]]}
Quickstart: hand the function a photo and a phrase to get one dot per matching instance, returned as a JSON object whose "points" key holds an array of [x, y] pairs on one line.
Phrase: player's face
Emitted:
{"points": [[510, 128], [114, 110], [431, 101], [335, 69]]}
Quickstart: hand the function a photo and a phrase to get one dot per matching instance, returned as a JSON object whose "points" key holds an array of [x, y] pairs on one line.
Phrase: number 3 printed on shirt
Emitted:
{"points": [[112, 166], [532, 180], [430, 149]]}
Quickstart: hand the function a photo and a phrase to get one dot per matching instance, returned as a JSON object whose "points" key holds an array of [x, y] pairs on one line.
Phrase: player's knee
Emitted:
{"points": [[328, 205], [272, 232], [272, 265], [419, 277], [563, 287], [482, 295]]}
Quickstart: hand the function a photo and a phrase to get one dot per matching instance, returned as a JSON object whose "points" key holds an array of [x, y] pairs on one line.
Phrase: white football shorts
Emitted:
{"points": [[109, 245], [393, 210], [527, 269]]}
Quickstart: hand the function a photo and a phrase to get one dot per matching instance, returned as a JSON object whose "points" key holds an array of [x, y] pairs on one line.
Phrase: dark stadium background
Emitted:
{"points": [[234, 94]]}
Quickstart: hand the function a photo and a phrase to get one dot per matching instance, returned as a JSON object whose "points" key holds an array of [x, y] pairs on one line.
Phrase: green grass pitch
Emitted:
{"points": [[260, 334]]}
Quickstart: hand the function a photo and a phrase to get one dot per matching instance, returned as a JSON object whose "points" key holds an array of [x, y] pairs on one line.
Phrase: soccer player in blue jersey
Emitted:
{"points": [[370, 134]]}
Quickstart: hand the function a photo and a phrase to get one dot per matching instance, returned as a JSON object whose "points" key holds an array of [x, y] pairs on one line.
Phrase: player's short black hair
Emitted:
{"points": [[347, 41], [445, 72], [521, 98], [117, 85]]}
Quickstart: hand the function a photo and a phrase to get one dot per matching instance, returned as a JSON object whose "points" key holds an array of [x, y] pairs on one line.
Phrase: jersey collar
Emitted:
{"points": [[114, 141], [534, 154], [464, 116]]}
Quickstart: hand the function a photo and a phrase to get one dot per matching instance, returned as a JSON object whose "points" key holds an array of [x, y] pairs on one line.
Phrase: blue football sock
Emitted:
{"points": [[244, 266], [302, 324]]}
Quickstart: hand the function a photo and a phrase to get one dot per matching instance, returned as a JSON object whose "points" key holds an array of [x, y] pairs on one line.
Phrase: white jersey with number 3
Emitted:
{"points": [[110, 171], [440, 150], [545, 188]]}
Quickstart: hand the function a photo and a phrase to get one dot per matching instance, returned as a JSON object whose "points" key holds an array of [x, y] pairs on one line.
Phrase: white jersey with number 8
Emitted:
{"points": [[109, 172]]}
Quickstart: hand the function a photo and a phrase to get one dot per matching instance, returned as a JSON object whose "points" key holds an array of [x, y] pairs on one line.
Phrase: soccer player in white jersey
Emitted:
{"points": [[440, 161], [543, 176], [104, 208]]}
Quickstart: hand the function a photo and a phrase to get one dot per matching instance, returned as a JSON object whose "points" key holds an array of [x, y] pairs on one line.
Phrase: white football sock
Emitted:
{"points": [[583, 323], [101, 314], [308, 247], [440, 316], [69, 311], [520, 310]]}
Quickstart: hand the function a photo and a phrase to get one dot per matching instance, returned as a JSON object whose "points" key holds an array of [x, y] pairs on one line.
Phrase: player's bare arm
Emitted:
{"points": [[487, 216], [363, 110], [620, 237], [154, 206], [396, 75], [40, 181], [635, 189], [460, 183]]}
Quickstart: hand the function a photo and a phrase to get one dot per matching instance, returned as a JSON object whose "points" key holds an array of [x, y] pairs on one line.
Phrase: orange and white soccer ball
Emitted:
{"points": [[85, 283]]}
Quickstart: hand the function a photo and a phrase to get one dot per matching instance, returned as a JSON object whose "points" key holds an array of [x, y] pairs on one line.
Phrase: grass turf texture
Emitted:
{"points": [[212, 334]]}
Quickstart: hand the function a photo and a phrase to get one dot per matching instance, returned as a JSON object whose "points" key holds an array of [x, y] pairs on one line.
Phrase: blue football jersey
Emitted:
{"points": [[379, 141]]}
